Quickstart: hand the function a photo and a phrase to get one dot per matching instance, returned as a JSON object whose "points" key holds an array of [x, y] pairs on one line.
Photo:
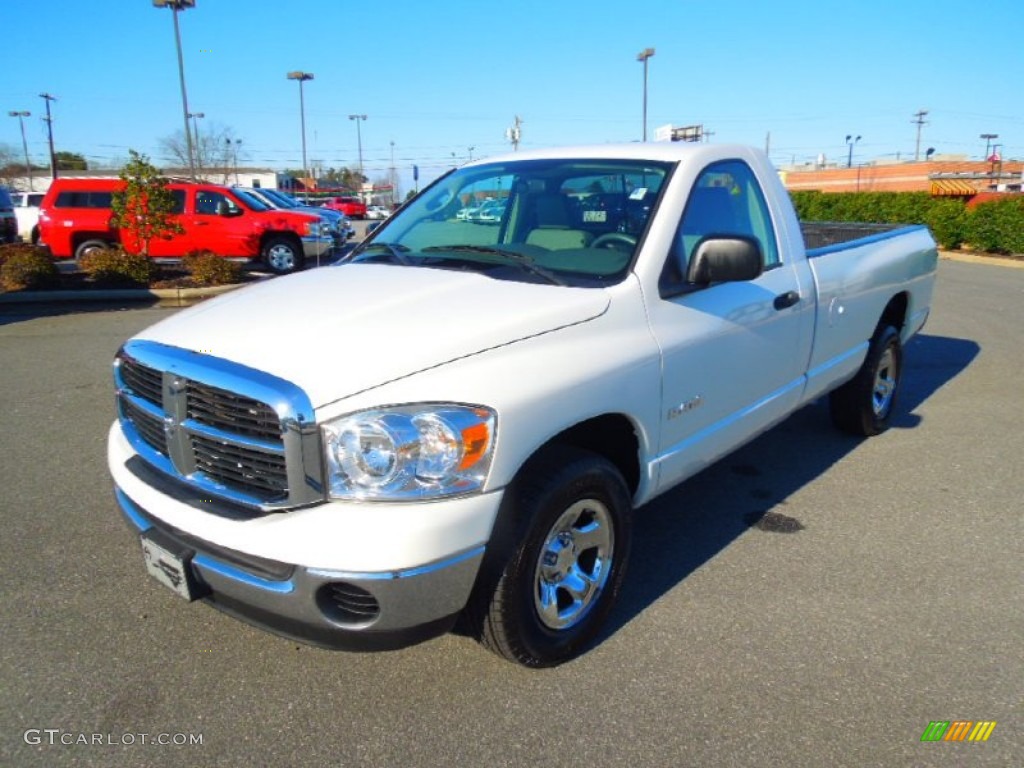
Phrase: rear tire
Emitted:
{"points": [[553, 577], [282, 255], [87, 246], [865, 404]]}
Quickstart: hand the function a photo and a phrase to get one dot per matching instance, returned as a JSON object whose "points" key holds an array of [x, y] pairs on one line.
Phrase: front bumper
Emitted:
{"points": [[320, 245], [350, 576]]}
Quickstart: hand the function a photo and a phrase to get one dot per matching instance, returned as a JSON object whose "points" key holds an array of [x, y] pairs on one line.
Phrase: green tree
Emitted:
{"points": [[71, 161], [145, 209]]}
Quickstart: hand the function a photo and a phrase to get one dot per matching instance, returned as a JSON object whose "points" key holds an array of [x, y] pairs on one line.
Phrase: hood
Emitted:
{"points": [[341, 330]]}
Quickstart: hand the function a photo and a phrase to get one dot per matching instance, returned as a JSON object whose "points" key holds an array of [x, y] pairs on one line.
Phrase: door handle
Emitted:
{"points": [[787, 299]]}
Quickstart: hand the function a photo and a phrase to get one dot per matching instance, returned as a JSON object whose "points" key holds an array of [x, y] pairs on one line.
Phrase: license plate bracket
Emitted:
{"points": [[170, 563]]}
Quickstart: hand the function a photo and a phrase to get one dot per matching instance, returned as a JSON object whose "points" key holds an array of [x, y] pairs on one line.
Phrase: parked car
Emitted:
{"points": [[377, 212], [8, 221], [76, 216], [347, 204], [336, 222], [491, 212], [26, 210], [476, 447]]}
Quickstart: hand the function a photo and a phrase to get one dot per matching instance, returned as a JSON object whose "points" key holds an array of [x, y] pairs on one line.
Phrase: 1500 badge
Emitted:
{"points": [[683, 407]]}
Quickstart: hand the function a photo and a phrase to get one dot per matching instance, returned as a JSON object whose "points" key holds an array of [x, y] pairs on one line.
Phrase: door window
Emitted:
{"points": [[207, 203], [726, 200]]}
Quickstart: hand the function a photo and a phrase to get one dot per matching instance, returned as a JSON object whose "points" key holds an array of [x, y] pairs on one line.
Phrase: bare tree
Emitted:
{"points": [[217, 149]]}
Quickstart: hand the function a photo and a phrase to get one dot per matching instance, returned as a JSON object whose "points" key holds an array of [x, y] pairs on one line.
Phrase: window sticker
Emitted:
{"points": [[638, 194]]}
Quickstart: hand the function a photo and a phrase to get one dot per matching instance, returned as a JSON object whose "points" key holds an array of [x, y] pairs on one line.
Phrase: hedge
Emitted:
{"points": [[995, 226]]}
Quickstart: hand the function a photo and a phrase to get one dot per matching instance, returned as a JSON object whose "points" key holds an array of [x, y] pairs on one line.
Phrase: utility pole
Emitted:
{"points": [[768, 143], [49, 131], [514, 134], [920, 121], [21, 115], [393, 175]]}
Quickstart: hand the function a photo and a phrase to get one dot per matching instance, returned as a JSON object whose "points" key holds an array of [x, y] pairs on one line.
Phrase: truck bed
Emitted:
{"points": [[822, 235]]}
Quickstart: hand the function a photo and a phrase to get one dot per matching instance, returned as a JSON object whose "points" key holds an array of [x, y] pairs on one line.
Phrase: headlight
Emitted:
{"points": [[409, 452]]}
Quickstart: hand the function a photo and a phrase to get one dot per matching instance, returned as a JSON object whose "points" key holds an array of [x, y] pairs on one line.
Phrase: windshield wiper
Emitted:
{"points": [[397, 251], [519, 259]]}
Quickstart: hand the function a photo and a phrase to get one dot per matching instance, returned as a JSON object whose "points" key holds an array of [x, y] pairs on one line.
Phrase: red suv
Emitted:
{"points": [[349, 205], [75, 217]]}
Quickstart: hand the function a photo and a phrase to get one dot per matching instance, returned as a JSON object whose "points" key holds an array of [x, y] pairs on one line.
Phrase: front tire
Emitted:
{"points": [[282, 255], [560, 571], [865, 404]]}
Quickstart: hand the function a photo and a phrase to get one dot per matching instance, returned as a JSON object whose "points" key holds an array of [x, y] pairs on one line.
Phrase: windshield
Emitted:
{"points": [[574, 222], [280, 199], [251, 200]]}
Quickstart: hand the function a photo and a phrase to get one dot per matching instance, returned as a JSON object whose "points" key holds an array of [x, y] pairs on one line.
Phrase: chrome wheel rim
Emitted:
{"points": [[885, 383], [281, 257], [574, 564]]}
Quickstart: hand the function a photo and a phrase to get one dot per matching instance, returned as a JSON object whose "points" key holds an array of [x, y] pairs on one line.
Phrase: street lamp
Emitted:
{"points": [[470, 149], [988, 141], [175, 6], [394, 176], [359, 140], [24, 145], [643, 56], [195, 128], [850, 141], [302, 77], [231, 158]]}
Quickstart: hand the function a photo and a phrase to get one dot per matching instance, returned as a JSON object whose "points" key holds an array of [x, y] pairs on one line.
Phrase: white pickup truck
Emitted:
{"points": [[458, 422]]}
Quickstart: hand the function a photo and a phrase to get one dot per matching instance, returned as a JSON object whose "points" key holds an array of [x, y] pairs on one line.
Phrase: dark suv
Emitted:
{"points": [[8, 222]]}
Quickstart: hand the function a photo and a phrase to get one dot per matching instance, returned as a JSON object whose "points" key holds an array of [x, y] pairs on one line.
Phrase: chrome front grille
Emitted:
{"points": [[210, 423], [226, 410]]}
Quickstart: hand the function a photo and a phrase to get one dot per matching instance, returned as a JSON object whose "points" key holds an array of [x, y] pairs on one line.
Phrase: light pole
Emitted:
{"points": [[850, 141], [49, 132], [302, 77], [195, 129], [988, 141], [470, 150], [643, 56], [175, 6], [359, 142], [24, 144], [231, 158]]}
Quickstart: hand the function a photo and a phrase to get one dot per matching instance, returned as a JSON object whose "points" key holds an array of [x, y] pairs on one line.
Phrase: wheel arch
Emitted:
{"points": [[895, 313], [612, 436]]}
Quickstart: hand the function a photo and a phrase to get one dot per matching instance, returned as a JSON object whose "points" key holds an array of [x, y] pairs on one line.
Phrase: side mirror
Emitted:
{"points": [[725, 260]]}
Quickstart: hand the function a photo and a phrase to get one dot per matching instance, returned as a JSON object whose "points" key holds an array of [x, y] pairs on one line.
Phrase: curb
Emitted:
{"points": [[973, 258], [161, 297]]}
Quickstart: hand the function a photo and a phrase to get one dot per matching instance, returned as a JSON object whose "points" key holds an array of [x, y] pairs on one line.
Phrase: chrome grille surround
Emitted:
{"points": [[228, 430]]}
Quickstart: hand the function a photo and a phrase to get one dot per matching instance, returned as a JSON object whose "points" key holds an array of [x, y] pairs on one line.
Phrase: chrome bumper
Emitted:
{"points": [[376, 611], [317, 246]]}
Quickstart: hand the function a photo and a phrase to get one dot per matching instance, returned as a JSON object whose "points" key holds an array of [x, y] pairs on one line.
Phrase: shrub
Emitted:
{"points": [[947, 220], [997, 226], [6, 251], [210, 269], [31, 269], [116, 267]]}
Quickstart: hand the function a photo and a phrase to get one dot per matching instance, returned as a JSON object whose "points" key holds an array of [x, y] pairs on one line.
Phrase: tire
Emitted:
{"points": [[865, 404], [551, 579], [34, 238], [89, 245], [282, 255]]}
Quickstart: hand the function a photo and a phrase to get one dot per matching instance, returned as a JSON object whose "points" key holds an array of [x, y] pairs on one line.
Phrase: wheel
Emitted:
{"points": [[87, 246], [558, 574], [35, 235], [282, 255], [614, 240], [864, 405]]}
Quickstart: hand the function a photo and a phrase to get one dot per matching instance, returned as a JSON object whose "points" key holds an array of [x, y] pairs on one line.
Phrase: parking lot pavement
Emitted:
{"points": [[812, 600]]}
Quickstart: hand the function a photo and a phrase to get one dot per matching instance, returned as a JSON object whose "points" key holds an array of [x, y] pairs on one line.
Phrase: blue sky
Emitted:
{"points": [[437, 77]]}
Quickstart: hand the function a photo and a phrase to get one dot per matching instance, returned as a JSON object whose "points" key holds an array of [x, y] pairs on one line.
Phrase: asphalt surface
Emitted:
{"points": [[813, 600]]}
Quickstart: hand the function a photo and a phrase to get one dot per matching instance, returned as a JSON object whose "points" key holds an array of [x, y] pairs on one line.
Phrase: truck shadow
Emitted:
{"points": [[678, 532]]}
